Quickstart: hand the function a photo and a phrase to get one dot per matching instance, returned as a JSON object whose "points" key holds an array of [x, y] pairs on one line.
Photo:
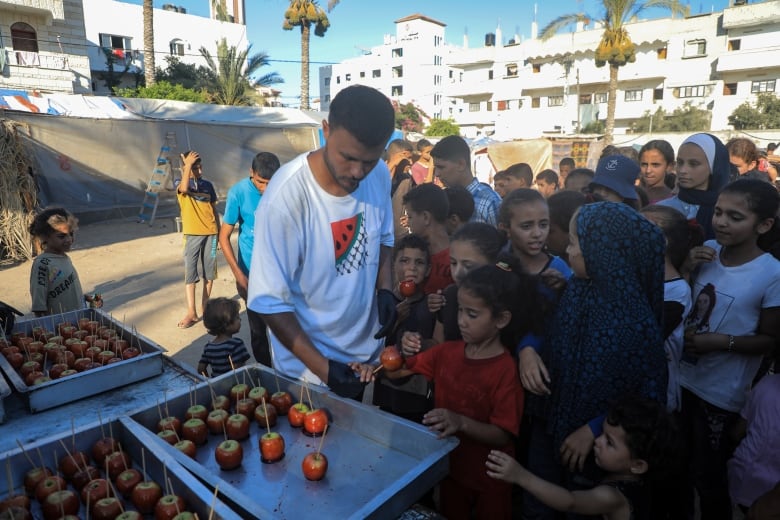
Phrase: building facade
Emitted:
{"points": [[116, 28], [523, 89], [42, 46]]}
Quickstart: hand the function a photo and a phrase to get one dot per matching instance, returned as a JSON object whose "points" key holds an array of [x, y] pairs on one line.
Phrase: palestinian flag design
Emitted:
{"points": [[350, 244]]}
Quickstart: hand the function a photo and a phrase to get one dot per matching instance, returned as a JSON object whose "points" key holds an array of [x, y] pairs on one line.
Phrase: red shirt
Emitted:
{"points": [[440, 276]]}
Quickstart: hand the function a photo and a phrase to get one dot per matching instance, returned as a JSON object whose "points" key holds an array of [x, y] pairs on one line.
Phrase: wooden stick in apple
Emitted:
{"points": [[322, 439], [170, 486], [213, 502], [230, 358], [267, 424], [24, 452]]}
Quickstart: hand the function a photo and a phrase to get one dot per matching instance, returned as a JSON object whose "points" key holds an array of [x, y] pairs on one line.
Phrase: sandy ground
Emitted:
{"points": [[140, 273]]}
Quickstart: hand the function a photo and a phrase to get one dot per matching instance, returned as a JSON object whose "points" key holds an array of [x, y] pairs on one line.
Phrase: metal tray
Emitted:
{"points": [[199, 499], [379, 464], [95, 381], [5, 391]]}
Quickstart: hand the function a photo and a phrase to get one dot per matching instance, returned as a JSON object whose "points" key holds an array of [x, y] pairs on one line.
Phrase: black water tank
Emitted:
{"points": [[490, 40], [169, 7]]}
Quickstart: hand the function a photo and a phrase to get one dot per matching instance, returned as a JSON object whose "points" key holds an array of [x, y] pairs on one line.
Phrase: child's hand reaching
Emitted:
{"points": [[411, 343], [553, 279], [436, 301], [504, 467], [444, 421]]}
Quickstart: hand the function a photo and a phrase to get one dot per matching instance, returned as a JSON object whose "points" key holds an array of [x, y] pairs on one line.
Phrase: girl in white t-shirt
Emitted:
{"points": [[743, 327]]}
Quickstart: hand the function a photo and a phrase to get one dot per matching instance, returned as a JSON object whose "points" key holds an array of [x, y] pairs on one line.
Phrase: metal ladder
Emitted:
{"points": [[161, 174]]}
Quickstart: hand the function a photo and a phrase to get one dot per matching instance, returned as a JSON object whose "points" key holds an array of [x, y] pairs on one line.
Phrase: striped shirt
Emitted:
{"points": [[218, 355]]}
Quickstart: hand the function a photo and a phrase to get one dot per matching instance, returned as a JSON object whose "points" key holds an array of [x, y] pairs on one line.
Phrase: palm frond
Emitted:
{"points": [[552, 28]]}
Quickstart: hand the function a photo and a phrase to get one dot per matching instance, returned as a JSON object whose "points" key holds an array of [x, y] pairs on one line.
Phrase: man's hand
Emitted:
{"points": [[576, 447], [343, 380], [388, 313], [242, 285]]}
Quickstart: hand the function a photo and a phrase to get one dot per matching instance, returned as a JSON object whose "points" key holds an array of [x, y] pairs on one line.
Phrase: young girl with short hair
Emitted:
{"points": [[703, 169], [743, 154], [224, 352], [478, 395], [54, 283], [744, 325], [656, 161]]}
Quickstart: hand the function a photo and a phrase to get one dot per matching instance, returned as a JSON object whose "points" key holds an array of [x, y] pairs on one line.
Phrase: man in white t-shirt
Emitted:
{"points": [[320, 269]]}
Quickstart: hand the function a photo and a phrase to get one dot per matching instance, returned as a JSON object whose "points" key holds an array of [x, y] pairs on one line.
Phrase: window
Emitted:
{"points": [[398, 90], [437, 99], [490, 74], [338, 80], [695, 91], [535, 102], [555, 101], [327, 81], [729, 89], [437, 41], [695, 48], [120, 46], [489, 106], [661, 53], [398, 53], [437, 60], [473, 107], [398, 72], [735, 44], [327, 98], [600, 97], [658, 94], [347, 77], [536, 68], [633, 95], [511, 70], [436, 79], [23, 37], [502, 105], [767, 85], [376, 73], [362, 74], [586, 99], [176, 47]]}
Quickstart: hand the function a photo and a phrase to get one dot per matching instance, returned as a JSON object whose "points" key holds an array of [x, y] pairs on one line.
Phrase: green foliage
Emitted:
{"points": [[185, 74], [442, 128], [594, 127], [686, 118], [111, 78], [765, 114], [307, 13], [408, 117], [164, 90]]}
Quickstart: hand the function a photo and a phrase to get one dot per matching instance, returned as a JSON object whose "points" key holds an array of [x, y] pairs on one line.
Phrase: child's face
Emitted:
{"points": [[415, 221], [740, 164], [693, 168], [528, 228], [576, 260], [611, 450], [464, 257], [61, 240], [653, 167], [411, 264], [545, 188], [734, 223], [475, 319]]}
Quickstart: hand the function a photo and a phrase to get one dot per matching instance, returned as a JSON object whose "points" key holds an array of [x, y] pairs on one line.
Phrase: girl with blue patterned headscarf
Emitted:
{"points": [[606, 337]]}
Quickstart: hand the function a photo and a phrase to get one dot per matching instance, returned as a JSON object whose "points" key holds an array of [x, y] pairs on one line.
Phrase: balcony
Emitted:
{"points": [[751, 15], [41, 60], [48, 9], [749, 59]]}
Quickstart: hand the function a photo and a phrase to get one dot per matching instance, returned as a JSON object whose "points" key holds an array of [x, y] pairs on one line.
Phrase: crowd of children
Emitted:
{"points": [[636, 343], [602, 340]]}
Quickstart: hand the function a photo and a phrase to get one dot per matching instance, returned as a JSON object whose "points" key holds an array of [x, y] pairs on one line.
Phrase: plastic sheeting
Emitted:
{"points": [[537, 153]]}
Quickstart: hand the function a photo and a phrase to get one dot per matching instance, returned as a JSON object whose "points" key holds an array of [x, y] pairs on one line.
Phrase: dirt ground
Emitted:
{"points": [[140, 273]]}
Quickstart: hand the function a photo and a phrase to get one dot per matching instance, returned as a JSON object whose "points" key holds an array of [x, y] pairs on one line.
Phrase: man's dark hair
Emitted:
{"points": [[461, 202], [452, 148], [577, 172], [429, 197], [365, 113], [521, 171], [398, 145], [562, 206], [412, 241], [422, 143], [549, 176], [567, 161], [265, 164]]}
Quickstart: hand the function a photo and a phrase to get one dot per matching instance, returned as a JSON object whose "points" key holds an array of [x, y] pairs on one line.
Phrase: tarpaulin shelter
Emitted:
{"points": [[95, 155]]}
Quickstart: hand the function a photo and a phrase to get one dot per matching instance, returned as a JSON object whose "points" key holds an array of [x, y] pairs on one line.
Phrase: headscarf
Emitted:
{"points": [[720, 172], [606, 337]]}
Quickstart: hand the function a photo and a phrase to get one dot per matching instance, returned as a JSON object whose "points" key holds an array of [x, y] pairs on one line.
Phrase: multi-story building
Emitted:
{"points": [[517, 89], [42, 46], [118, 28]]}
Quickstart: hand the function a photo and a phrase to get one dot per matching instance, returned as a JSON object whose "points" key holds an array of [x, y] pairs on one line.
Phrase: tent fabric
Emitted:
{"points": [[537, 153]]}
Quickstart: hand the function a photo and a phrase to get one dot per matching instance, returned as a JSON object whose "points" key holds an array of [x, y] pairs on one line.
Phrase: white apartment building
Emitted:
{"points": [[525, 89], [119, 26], [42, 46], [409, 67]]}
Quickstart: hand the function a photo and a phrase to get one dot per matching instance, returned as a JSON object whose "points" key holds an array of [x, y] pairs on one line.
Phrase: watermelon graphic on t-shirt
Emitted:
{"points": [[349, 243]]}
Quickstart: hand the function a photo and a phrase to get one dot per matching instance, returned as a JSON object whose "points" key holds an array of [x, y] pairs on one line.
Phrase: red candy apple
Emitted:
{"points": [[271, 447], [407, 288], [314, 465], [229, 454], [282, 401], [391, 359], [315, 422]]}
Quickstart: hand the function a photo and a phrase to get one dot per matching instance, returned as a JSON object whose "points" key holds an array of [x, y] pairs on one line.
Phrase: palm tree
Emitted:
{"points": [[304, 14], [149, 67], [220, 11], [615, 47], [230, 76]]}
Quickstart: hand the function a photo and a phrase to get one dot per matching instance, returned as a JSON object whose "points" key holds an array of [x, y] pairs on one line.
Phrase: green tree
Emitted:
{"points": [[164, 90], [615, 47], [149, 67], [408, 117], [765, 114], [442, 128], [111, 77], [304, 14], [220, 10], [185, 74], [686, 118], [230, 74]]}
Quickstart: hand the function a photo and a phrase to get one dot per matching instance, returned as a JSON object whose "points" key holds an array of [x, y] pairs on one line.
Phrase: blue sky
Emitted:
{"points": [[357, 24]]}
